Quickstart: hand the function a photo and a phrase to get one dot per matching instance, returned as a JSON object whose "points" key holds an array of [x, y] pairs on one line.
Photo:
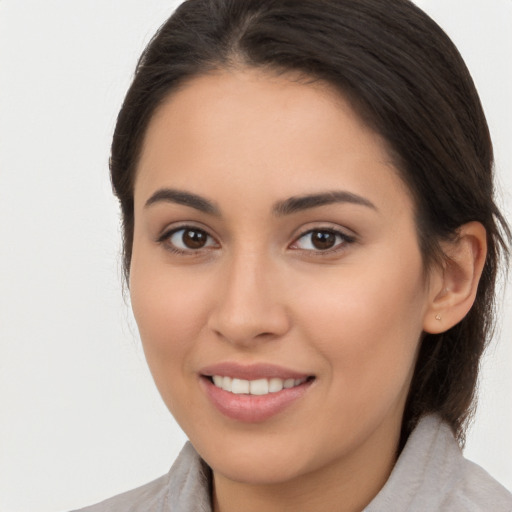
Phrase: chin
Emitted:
{"points": [[266, 461], [258, 472]]}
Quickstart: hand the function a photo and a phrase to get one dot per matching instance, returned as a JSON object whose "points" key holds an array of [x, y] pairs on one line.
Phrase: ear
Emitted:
{"points": [[453, 284]]}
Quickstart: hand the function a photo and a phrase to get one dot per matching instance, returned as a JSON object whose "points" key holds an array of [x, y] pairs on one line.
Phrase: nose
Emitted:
{"points": [[249, 306]]}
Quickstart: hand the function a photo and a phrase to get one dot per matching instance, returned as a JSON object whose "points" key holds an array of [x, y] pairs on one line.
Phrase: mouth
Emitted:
{"points": [[253, 393]]}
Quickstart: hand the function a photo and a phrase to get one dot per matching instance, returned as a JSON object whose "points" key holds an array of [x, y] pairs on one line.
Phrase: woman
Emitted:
{"points": [[311, 245]]}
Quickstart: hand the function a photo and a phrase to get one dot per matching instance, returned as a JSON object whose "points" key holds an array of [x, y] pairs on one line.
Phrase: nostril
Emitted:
{"points": [[265, 335]]}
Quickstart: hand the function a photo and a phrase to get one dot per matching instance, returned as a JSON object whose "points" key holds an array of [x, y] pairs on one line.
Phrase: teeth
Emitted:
{"points": [[289, 383], [240, 386], [275, 385], [227, 383], [255, 387], [259, 387]]}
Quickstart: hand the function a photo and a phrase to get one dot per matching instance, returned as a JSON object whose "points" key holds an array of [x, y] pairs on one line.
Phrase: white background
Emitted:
{"points": [[80, 419]]}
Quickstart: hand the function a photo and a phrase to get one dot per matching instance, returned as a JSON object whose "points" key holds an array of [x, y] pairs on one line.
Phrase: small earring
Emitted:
{"points": [[438, 317]]}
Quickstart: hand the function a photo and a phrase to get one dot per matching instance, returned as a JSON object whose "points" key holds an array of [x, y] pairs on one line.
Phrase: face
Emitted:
{"points": [[276, 277]]}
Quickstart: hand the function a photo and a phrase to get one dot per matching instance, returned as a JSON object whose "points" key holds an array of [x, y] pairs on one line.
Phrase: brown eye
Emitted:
{"points": [[318, 240], [189, 239], [194, 239], [323, 240]]}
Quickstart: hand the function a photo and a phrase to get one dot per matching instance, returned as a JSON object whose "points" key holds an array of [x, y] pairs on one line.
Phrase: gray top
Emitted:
{"points": [[430, 475]]}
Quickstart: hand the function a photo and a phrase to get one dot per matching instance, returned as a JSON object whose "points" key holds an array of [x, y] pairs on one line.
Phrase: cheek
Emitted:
{"points": [[170, 314], [367, 326]]}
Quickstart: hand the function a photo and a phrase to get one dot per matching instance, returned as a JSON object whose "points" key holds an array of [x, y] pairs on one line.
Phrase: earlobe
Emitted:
{"points": [[455, 285]]}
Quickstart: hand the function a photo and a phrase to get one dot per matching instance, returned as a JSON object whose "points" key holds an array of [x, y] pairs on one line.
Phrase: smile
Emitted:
{"points": [[253, 393], [255, 387]]}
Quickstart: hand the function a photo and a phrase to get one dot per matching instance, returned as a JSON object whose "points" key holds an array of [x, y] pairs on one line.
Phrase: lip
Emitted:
{"points": [[252, 371], [252, 408]]}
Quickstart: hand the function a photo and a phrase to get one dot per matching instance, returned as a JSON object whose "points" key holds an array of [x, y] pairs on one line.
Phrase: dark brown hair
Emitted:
{"points": [[407, 81]]}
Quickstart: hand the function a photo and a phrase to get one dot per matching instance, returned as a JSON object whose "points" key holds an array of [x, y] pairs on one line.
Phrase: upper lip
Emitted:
{"points": [[251, 371]]}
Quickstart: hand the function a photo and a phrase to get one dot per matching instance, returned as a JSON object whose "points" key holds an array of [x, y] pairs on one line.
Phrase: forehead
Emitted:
{"points": [[280, 134]]}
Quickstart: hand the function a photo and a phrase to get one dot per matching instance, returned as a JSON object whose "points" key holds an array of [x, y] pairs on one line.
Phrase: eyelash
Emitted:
{"points": [[165, 239], [341, 245], [346, 239]]}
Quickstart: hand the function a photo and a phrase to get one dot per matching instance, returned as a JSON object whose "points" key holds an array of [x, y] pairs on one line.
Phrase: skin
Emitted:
{"points": [[259, 290]]}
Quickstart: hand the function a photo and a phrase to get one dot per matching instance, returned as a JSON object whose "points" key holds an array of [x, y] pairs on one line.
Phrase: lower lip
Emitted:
{"points": [[253, 408]]}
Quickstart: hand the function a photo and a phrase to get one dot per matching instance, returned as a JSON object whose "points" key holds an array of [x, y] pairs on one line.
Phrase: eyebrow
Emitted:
{"points": [[169, 195], [287, 207], [299, 203]]}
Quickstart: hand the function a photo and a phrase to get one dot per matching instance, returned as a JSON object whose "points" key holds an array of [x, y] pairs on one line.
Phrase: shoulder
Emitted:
{"points": [[431, 474], [146, 497], [474, 490], [184, 488]]}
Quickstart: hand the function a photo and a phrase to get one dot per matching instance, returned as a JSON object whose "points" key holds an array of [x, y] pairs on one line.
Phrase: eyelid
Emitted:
{"points": [[176, 226], [347, 239], [165, 236]]}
